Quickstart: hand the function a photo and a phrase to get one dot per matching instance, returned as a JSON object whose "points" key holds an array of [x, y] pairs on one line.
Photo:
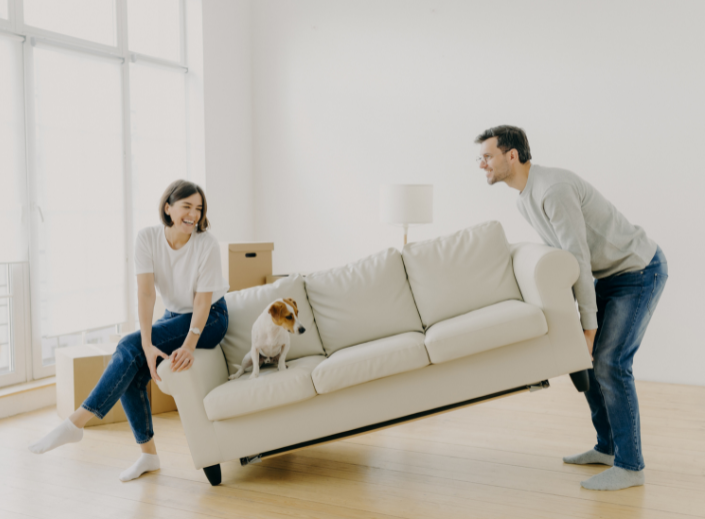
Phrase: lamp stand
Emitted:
{"points": [[406, 232]]}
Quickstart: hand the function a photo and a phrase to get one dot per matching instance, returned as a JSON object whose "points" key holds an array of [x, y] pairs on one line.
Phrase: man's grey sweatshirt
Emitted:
{"points": [[570, 214]]}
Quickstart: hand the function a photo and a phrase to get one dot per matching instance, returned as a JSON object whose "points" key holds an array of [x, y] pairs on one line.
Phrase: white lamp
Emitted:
{"points": [[406, 204]]}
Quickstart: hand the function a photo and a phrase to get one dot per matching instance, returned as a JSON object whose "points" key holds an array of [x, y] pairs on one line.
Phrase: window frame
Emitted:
{"points": [[15, 27]]}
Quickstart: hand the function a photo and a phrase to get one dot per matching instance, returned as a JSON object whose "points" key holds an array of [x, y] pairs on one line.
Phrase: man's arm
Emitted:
{"points": [[562, 206]]}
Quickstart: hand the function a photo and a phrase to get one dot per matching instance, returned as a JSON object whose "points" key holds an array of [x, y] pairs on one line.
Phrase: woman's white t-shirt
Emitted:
{"points": [[179, 274]]}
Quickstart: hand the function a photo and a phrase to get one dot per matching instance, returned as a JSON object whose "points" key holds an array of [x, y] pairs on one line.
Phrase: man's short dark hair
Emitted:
{"points": [[178, 190], [508, 138]]}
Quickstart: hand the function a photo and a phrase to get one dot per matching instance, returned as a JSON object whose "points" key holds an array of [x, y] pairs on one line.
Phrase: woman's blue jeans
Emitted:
{"points": [[127, 374], [625, 304]]}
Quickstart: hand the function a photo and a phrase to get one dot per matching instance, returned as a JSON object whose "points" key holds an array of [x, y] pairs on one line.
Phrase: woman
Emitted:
{"points": [[185, 267]]}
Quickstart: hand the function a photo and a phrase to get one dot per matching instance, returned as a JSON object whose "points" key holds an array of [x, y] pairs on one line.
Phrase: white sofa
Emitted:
{"points": [[395, 336]]}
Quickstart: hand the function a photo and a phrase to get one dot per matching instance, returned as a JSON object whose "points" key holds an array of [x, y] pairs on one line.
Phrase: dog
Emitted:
{"points": [[270, 337]]}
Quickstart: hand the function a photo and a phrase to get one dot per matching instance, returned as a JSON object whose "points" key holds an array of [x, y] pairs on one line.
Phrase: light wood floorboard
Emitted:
{"points": [[500, 459]]}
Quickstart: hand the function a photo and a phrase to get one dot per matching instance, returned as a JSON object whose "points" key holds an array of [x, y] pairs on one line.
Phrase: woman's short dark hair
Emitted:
{"points": [[508, 138], [178, 190]]}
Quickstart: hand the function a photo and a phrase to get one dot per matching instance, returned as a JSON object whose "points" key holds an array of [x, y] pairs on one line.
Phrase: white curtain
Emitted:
{"points": [[159, 137], [14, 246], [92, 20], [79, 193]]}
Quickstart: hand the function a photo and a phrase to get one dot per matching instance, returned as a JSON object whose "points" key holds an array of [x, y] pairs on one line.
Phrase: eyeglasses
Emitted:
{"points": [[485, 158]]}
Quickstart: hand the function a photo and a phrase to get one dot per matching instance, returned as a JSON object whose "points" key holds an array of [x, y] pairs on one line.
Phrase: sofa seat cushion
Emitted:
{"points": [[370, 361], [484, 329], [272, 388]]}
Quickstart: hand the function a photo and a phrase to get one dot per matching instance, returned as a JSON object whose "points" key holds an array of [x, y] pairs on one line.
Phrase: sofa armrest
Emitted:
{"points": [[545, 276], [189, 388]]}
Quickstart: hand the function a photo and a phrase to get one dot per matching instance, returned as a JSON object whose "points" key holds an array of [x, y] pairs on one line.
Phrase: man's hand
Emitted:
{"points": [[152, 352], [590, 339]]}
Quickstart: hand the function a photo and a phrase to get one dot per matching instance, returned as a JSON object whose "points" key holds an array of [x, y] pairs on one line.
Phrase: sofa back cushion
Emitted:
{"points": [[245, 306], [461, 272], [363, 301]]}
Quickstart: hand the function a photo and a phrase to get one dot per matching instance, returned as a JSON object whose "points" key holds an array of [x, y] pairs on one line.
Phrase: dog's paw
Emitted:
{"points": [[254, 375], [234, 376], [282, 368]]}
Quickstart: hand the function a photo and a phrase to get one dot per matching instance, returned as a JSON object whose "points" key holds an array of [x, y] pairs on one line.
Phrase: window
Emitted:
{"points": [[6, 349], [92, 20], [13, 341], [155, 28], [79, 193], [96, 104]]}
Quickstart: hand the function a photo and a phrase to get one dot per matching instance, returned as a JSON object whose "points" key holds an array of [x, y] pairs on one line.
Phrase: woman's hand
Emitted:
{"points": [[152, 352], [181, 359]]}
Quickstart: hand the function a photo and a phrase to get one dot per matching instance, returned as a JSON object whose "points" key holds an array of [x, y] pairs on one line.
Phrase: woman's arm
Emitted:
{"points": [[146, 296], [182, 358]]}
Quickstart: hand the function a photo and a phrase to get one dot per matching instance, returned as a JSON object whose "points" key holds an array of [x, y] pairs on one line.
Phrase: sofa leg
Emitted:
{"points": [[213, 474], [581, 381]]}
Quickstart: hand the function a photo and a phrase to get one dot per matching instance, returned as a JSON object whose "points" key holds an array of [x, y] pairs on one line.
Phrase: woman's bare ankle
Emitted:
{"points": [[80, 417], [149, 448]]}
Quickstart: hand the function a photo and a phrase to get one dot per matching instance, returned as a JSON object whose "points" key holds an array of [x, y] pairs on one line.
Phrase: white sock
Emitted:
{"points": [[146, 463], [615, 478], [67, 432], [591, 456]]}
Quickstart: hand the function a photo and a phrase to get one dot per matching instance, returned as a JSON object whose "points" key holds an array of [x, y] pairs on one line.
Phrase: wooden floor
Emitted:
{"points": [[499, 459]]}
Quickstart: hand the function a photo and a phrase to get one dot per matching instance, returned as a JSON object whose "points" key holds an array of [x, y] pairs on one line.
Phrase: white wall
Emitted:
{"points": [[352, 94], [228, 118]]}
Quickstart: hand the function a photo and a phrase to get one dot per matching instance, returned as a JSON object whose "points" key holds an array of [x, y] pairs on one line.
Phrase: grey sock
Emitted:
{"points": [[614, 479], [591, 456]]}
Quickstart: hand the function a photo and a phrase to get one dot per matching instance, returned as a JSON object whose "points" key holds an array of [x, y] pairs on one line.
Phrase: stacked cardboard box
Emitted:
{"points": [[78, 369], [246, 265]]}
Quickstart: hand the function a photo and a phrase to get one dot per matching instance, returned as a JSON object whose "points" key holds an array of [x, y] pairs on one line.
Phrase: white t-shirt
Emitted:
{"points": [[179, 274]]}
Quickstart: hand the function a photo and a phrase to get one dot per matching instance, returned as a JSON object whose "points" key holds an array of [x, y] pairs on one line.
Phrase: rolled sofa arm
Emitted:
{"points": [[189, 388], [545, 276]]}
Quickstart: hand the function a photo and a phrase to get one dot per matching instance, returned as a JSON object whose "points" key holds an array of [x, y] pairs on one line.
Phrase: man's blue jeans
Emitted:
{"points": [[625, 304], [127, 374]]}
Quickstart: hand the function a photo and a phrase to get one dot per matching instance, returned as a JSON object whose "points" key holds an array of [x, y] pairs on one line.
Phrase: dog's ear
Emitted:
{"points": [[276, 310], [292, 303]]}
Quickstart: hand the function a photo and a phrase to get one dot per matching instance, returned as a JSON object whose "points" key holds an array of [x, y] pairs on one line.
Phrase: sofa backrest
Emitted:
{"points": [[362, 301], [456, 274], [245, 306]]}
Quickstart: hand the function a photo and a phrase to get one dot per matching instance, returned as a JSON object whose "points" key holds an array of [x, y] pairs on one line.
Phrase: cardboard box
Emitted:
{"points": [[246, 265], [272, 279], [78, 369], [158, 401]]}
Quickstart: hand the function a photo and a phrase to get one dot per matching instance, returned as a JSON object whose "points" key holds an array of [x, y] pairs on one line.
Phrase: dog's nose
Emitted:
{"points": [[301, 330]]}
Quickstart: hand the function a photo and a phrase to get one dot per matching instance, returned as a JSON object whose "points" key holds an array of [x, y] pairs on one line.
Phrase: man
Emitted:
{"points": [[630, 272]]}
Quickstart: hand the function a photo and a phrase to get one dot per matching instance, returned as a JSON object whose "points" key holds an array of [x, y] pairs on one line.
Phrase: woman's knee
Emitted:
{"points": [[129, 346]]}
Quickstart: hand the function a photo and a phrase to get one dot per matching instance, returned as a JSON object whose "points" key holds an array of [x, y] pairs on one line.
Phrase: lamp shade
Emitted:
{"points": [[406, 203]]}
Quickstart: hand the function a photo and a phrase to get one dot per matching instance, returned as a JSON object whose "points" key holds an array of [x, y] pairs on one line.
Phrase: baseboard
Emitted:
{"points": [[24, 398]]}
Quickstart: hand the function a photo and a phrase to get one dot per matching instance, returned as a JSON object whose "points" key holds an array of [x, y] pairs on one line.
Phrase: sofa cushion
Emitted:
{"points": [[272, 388], [245, 306], [370, 361], [484, 329], [461, 272], [363, 301]]}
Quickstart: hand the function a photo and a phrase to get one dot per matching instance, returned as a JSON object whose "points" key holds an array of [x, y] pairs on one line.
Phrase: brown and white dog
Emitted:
{"points": [[270, 336]]}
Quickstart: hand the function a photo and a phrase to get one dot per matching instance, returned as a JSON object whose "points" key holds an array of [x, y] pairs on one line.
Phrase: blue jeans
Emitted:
{"points": [[127, 374], [625, 304]]}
